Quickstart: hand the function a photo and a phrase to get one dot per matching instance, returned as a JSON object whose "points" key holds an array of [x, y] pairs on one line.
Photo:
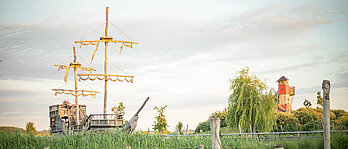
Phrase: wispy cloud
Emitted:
{"points": [[182, 61]]}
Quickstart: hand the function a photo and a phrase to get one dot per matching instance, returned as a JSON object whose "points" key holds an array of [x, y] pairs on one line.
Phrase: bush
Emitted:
{"points": [[204, 126], [342, 125], [313, 125], [286, 123], [304, 117]]}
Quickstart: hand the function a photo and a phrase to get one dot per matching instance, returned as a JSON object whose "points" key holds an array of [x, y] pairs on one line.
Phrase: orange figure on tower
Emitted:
{"points": [[285, 94]]}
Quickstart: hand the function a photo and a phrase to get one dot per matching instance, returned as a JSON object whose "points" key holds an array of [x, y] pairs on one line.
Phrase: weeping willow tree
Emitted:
{"points": [[251, 105]]}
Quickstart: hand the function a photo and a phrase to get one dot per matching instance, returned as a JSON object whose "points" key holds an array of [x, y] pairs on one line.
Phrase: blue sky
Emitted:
{"points": [[187, 52]]}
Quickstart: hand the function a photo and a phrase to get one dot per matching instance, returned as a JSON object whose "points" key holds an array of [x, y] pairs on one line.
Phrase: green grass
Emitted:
{"points": [[120, 140]]}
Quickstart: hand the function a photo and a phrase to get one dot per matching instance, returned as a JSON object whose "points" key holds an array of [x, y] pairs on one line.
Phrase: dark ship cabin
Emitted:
{"points": [[63, 117]]}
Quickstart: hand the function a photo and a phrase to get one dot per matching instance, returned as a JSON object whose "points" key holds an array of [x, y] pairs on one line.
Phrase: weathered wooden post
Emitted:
{"points": [[201, 147], [326, 104], [215, 133]]}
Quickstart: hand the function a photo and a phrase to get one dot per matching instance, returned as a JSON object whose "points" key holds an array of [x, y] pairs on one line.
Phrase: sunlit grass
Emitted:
{"points": [[120, 140]]}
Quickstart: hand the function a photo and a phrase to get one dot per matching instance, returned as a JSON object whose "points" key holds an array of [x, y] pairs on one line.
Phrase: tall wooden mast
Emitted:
{"points": [[106, 39], [106, 60], [75, 92], [76, 97]]}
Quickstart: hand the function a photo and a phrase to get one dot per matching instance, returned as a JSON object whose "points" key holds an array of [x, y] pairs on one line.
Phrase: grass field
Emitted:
{"points": [[120, 140]]}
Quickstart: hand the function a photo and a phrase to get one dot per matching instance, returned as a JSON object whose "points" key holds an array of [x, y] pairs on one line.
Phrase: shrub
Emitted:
{"points": [[204, 126], [286, 123], [313, 125]]}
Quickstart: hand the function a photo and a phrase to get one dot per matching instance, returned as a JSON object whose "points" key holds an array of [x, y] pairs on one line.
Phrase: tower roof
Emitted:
{"points": [[283, 78]]}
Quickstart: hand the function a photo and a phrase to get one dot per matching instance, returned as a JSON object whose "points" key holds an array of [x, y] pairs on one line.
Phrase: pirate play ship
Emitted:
{"points": [[67, 117]]}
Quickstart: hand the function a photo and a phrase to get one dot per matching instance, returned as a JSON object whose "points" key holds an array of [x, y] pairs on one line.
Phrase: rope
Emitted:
{"points": [[118, 67], [88, 85], [121, 31], [65, 84], [65, 60], [83, 37]]}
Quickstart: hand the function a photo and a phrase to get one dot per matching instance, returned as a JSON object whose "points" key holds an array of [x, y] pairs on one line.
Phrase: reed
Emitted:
{"points": [[121, 139]]}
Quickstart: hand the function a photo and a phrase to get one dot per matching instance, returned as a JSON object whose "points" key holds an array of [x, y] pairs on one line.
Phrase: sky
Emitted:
{"points": [[187, 53]]}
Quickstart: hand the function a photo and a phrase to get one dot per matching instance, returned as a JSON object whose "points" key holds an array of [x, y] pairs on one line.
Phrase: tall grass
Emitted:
{"points": [[120, 140]]}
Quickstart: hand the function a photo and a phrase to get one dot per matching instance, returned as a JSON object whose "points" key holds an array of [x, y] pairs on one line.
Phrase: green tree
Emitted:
{"points": [[119, 110], [307, 103], [204, 126], [304, 117], [29, 128], [319, 99], [179, 127], [161, 121], [251, 104]]}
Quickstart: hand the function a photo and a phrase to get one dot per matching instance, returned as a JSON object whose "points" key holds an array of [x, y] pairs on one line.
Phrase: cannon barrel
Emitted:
{"points": [[142, 106], [132, 123]]}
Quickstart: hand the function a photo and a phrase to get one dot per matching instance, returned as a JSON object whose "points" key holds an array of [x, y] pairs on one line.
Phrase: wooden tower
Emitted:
{"points": [[285, 94]]}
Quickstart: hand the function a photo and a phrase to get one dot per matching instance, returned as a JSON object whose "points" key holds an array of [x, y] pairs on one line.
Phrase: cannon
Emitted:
{"points": [[132, 123]]}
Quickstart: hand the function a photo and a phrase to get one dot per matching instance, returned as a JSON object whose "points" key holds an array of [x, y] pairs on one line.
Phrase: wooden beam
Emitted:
{"points": [[115, 41], [66, 90]]}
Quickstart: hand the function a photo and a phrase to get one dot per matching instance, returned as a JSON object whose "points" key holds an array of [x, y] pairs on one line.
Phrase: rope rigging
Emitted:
{"points": [[94, 31], [118, 67], [120, 31]]}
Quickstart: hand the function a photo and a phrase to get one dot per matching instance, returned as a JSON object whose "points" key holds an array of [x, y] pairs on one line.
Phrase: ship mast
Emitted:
{"points": [[106, 39], [106, 60], [75, 92]]}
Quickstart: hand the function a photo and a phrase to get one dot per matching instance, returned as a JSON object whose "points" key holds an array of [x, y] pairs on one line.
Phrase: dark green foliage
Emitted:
{"points": [[313, 125], [179, 127], [319, 99], [286, 123], [304, 117], [204, 126], [307, 103], [339, 112], [342, 125], [310, 119]]}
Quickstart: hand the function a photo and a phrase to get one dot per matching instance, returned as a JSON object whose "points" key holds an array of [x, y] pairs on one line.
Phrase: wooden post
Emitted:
{"points": [[215, 133], [106, 60], [201, 147], [187, 129], [76, 98], [326, 105]]}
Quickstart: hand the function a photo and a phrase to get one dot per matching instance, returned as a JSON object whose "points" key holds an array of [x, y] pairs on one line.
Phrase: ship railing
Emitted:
{"points": [[103, 121], [77, 128]]}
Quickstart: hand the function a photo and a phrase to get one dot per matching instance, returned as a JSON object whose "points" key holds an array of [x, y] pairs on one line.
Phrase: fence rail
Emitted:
{"points": [[263, 133]]}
